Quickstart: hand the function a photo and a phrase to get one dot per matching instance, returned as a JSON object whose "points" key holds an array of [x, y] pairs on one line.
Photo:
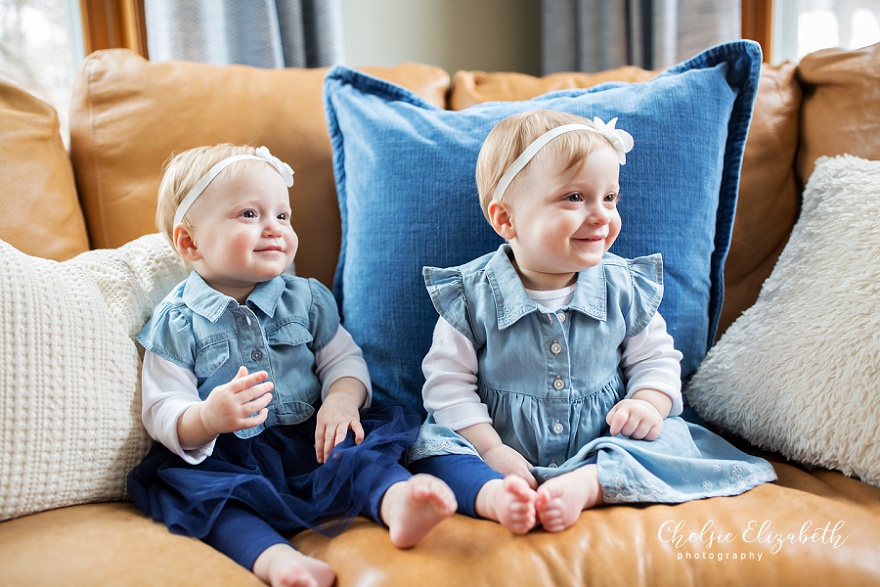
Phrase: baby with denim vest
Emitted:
{"points": [[258, 397], [552, 385]]}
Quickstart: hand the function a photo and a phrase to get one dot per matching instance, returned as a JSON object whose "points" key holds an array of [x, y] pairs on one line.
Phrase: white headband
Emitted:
{"points": [[621, 140], [261, 154]]}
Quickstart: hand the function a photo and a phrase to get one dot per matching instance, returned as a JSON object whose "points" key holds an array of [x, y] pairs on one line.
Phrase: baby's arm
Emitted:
{"points": [[652, 367], [169, 393], [346, 389], [450, 390]]}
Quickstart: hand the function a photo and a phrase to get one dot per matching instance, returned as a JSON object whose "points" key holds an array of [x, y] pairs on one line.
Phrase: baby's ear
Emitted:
{"points": [[501, 219], [185, 243]]}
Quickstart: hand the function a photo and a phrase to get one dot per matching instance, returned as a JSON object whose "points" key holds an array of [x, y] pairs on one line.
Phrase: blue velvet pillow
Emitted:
{"points": [[405, 176]]}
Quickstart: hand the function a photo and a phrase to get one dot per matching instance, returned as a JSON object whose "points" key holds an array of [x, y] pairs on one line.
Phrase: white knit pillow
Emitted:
{"points": [[799, 372], [70, 425]]}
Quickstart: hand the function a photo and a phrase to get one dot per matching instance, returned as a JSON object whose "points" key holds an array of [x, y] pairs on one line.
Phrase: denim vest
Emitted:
{"points": [[548, 378], [278, 330]]}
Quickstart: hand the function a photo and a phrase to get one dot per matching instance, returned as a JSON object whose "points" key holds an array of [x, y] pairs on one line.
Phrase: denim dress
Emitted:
{"points": [[549, 379], [271, 469]]}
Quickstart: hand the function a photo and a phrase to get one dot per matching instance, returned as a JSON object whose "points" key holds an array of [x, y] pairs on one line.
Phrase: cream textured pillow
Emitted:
{"points": [[70, 425], [799, 372]]}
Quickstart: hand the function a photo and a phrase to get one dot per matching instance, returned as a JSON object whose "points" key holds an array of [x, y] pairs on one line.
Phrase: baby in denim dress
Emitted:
{"points": [[552, 385], [259, 399]]}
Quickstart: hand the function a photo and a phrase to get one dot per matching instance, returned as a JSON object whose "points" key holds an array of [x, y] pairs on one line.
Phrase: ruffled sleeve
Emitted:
{"points": [[446, 288], [169, 335], [646, 278]]}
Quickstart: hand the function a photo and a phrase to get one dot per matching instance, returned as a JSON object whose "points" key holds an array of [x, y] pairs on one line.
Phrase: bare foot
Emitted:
{"points": [[281, 565], [562, 499], [509, 501], [412, 508]]}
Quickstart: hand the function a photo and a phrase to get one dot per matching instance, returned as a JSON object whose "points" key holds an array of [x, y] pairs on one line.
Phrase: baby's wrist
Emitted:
{"points": [[658, 400], [348, 390]]}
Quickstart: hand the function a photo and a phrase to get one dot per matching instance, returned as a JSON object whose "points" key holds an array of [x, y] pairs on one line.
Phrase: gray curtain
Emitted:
{"points": [[595, 35], [262, 33]]}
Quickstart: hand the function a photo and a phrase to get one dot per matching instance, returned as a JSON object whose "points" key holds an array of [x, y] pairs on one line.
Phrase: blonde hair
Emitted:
{"points": [[514, 134], [182, 171]]}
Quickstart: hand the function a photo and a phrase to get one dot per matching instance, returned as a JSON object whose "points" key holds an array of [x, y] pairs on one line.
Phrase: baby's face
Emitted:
{"points": [[241, 227], [564, 220]]}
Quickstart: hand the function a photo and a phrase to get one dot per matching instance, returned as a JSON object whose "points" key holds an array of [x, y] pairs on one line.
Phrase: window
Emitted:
{"points": [[804, 26], [42, 47]]}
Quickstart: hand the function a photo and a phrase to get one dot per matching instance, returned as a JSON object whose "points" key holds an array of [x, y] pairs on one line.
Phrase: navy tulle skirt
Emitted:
{"points": [[276, 475]]}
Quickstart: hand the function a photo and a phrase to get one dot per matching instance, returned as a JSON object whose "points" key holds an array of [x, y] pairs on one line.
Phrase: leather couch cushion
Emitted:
{"points": [[779, 530], [109, 544], [769, 195], [129, 115], [841, 111], [475, 87], [36, 180]]}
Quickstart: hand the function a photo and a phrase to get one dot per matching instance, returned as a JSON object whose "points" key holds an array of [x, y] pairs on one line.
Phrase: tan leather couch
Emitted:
{"points": [[127, 115]]}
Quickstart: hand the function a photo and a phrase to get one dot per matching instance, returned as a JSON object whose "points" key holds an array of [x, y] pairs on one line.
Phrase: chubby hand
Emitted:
{"points": [[336, 416], [506, 460], [635, 418], [228, 407]]}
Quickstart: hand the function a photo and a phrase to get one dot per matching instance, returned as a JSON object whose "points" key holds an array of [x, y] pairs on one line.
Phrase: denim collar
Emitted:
{"points": [[206, 301], [512, 302]]}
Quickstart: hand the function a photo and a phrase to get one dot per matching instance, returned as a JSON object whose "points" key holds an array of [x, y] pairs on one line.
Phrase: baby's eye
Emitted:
{"points": [[284, 216], [575, 197], [249, 214], [612, 198]]}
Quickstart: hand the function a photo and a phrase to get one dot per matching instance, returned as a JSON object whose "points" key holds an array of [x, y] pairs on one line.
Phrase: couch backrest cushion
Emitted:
{"points": [[405, 175], [39, 209], [768, 195], [475, 87], [70, 423], [841, 111], [129, 115]]}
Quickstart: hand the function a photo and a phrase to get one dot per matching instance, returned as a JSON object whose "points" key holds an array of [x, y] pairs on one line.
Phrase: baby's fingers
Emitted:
{"points": [[530, 479], [322, 445], [251, 396], [254, 420], [243, 380], [617, 419], [358, 431], [325, 442], [647, 430]]}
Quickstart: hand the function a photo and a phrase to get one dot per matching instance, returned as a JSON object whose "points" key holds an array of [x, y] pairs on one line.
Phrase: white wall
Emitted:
{"points": [[492, 35]]}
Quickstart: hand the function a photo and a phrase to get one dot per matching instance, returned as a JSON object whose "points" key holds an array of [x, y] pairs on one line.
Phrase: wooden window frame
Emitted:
{"points": [[111, 24], [757, 24]]}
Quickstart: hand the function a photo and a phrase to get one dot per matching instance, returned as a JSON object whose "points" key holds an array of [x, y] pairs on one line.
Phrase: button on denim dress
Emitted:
{"points": [[549, 378]]}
